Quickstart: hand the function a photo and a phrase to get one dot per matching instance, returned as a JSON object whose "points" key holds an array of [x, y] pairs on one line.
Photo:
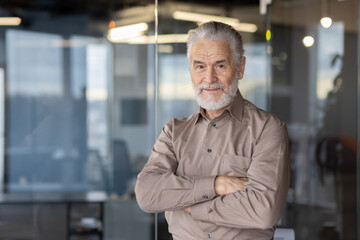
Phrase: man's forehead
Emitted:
{"points": [[215, 50]]}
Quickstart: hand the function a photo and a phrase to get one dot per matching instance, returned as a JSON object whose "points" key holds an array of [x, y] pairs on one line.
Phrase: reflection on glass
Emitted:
{"points": [[253, 85], [57, 118], [97, 78], [176, 92], [330, 52], [35, 109], [315, 90], [80, 116], [35, 63], [132, 137]]}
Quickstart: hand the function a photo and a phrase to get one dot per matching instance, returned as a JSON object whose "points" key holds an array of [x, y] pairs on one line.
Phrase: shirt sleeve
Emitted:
{"points": [[261, 203], [158, 188]]}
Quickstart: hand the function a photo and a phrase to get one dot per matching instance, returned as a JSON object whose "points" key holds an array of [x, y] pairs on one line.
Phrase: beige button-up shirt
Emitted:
{"points": [[243, 141]]}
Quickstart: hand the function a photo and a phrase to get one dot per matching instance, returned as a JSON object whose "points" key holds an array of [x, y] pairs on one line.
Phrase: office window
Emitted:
{"points": [[56, 94]]}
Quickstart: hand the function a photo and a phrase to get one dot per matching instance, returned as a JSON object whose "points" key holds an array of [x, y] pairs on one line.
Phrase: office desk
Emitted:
{"points": [[51, 215]]}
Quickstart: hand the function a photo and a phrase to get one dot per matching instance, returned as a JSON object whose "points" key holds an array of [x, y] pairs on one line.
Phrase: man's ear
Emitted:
{"points": [[242, 67]]}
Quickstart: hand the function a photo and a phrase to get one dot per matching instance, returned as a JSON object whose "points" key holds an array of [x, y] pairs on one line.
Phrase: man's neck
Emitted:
{"points": [[211, 114]]}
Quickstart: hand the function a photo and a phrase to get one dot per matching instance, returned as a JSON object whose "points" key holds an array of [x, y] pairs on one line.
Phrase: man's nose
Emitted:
{"points": [[210, 75]]}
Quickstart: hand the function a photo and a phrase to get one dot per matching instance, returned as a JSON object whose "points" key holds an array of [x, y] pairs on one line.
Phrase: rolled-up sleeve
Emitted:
{"points": [[261, 203], [158, 188]]}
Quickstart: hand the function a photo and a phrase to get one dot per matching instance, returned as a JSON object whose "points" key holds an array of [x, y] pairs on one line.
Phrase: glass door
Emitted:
{"points": [[314, 88]]}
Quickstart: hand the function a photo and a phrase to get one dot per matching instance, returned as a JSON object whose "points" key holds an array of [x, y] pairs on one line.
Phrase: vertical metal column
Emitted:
{"points": [[156, 90], [358, 130]]}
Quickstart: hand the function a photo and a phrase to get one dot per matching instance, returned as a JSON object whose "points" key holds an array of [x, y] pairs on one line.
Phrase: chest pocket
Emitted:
{"points": [[234, 165]]}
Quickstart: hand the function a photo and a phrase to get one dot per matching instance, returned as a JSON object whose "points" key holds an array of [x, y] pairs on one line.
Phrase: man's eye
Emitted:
{"points": [[221, 66], [199, 67]]}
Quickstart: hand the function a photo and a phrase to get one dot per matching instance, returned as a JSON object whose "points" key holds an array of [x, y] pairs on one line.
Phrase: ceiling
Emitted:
{"points": [[97, 8]]}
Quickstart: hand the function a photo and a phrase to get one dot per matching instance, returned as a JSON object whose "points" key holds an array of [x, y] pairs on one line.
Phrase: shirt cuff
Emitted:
{"points": [[204, 189]]}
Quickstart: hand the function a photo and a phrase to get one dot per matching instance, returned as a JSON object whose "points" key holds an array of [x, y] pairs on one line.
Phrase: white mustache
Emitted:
{"points": [[211, 86]]}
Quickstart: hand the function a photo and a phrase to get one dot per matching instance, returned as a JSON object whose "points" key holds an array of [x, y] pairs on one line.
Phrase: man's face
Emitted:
{"points": [[214, 73]]}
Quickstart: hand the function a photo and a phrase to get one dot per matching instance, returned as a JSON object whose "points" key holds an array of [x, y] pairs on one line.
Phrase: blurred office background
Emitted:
{"points": [[86, 86]]}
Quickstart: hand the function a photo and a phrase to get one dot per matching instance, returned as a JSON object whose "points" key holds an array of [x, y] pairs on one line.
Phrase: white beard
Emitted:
{"points": [[225, 99]]}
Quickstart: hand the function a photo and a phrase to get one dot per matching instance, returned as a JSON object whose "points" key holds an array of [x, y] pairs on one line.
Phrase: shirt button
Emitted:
{"points": [[205, 196], [209, 235], [213, 124], [209, 150]]}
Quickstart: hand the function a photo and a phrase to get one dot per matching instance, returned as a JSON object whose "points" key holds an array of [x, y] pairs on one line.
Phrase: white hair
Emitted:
{"points": [[217, 31]]}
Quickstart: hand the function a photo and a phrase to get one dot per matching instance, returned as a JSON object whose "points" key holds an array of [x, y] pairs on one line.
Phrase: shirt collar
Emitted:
{"points": [[199, 114], [235, 109]]}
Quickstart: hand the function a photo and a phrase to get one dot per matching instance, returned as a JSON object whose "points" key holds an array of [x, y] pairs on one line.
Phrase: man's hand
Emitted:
{"points": [[187, 209], [225, 185]]}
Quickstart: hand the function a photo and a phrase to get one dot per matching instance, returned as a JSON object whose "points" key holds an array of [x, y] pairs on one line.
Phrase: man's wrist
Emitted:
{"points": [[204, 188], [219, 185], [188, 209]]}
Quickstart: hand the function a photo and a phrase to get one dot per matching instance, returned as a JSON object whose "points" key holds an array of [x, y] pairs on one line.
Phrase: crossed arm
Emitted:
{"points": [[252, 202], [224, 185]]}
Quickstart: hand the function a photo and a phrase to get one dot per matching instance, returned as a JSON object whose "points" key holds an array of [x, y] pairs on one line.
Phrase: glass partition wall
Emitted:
{"points": [[314, 87], [89, 86]]}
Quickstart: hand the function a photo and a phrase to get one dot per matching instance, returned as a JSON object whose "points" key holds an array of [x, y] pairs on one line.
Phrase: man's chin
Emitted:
{"points": [[208, 97], [213, 102], [208, 104]]}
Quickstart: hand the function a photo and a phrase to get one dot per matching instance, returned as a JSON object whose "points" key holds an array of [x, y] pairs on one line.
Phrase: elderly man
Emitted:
{"points": [[223, 172]]}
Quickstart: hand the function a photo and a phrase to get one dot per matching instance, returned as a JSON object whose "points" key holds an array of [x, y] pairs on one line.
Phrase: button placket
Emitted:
{"points": [[212, 124], [208, 141]]}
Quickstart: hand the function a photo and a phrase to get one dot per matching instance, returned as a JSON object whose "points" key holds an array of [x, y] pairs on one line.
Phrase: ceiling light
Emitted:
{"points": [[326, 22], [201, 18], [10, 21], [126, 32], [245, 27], [198, 17], [166, 38], [308, 41]]}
